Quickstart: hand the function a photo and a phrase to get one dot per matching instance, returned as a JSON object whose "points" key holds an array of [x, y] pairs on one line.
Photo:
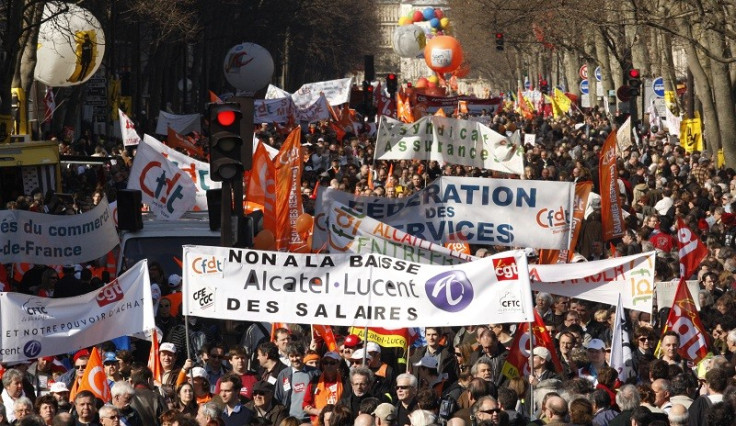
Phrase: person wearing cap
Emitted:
{"points": [[357, 359], [329, 386], [175, 295], [541, 370], [238, 358], [200, 384], [61, 393], [264, 405], [167, 357], [445, 356], [383, 374], [596, 351], [111, 365], [429, 377], [349, 345], [235, 413], [292, 382], [385, 414]]}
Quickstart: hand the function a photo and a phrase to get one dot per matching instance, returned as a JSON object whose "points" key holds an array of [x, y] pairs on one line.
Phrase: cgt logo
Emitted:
{"points": [[548, 218], [204, 297], [450, 291], [506, 269], [203, 265], [110, 293]]}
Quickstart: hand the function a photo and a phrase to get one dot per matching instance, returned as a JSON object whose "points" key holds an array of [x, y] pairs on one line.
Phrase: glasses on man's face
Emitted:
{"points": [[458, 354], [643, 339], [110, 417], [491, 411], [329, 362], [80, 367], [216, 356], [259, 393], [402, 387]]}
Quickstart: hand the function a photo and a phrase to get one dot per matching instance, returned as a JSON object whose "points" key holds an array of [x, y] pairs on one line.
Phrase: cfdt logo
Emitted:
{"points": [[506, 269], [204, 297], [110, 293], [207, 265], [552, 218], [450, 291], [32, 348]]}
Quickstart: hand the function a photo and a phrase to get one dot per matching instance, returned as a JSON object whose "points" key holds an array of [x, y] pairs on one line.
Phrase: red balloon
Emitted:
{"points": [[438, 13], [418, 16], [421, 83], [443, 54]]}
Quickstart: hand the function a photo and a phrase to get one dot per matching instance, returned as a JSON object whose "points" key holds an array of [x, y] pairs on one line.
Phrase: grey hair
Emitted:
{"points": [[731, 337], [361, 371], [108, 409], [23, 401], [482, 360], [628, 397], [479, 403], [122, 388], [547, 297], [422, 418], [211, 410], [10, 376], [410, 377]]}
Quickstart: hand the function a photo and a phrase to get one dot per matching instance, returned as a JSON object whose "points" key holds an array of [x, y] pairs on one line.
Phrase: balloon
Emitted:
{"points": [[417, 17], [444, 22], [434, 22], [421, 83], [304, 223], [443, 54], [265, 240], [428, 13], [433, 30], [431, 84], [408, 41], [404, 21], [433, 79], [439, 14], [248, 67], [71, 45]]}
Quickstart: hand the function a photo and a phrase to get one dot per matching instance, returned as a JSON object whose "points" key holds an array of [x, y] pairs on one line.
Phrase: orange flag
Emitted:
{"points": [[440, 113], [370, 179], [684, 320], [275, 326], [389, 183], [175, 140], [339, 131], [288, 173], [403, 109], [214, 98], [261, 187], [94, 379], [154, 363], [612, 216], [526, 112], [325, 331], [550, 257]]}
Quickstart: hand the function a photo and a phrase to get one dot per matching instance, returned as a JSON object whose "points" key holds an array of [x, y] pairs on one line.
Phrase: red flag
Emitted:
{"points": [[612, 248], [4, 281], [612, 215], [261, 186], [325, 331], [154, 363], [517, 362], [339, 131], [684, 320], [692, 251], [175, 140]]}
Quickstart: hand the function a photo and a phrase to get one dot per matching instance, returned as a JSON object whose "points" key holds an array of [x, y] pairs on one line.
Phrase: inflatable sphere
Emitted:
{"points": [[443, 54], [248, 67], [409, 41], [71, 45]]}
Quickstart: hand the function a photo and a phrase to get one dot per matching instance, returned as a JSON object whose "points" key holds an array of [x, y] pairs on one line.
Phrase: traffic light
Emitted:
{"points": [[392, 84], [544, 87], [633, 79], [225, 141], [499, 41]]}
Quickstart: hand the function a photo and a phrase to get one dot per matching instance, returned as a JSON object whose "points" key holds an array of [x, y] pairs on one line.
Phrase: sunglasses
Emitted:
{"points": [[112, 417], [259, 393], [402, 387], [458, 354], [80, 367], [329, 362], [643, 339], [217, 356], [491, 411]]}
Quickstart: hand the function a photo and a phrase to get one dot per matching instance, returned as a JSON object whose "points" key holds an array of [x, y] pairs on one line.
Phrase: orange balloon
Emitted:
{"points": [[265, 240], [443, 54], [304, 223], [421, 83]]}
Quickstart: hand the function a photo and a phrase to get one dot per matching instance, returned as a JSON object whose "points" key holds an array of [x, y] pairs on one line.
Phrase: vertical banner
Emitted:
{"points": [[262, 187], [288, 172], [612, 215], [691, 135]]}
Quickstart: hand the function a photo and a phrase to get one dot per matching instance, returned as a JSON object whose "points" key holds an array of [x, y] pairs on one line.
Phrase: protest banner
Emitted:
{"points": [[601, 281], [35, 326], [47, 239], [612, 215], [666, 291], [127, 130], [398, 338], [353, 290], [273, 110], [448, 140], [337, 92], [288, 177], [169, 191], [471, 105], [198, 171], [183, 124], [521, 213]]}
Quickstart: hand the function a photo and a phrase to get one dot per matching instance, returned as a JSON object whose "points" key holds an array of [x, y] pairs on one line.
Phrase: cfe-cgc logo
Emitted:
{"points": [[110, 293], [204, 298], [506, 269], [207, 265], [450, 291]]}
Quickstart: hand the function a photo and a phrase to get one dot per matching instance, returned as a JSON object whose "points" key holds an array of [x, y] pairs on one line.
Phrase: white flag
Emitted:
{"points": [[127, 129], [621, 358]]}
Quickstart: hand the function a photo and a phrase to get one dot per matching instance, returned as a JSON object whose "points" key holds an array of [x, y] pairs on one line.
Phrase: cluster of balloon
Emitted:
{"points": [[264, 240], [416, 28], [430, 86], [305, 226], [70, 46]]}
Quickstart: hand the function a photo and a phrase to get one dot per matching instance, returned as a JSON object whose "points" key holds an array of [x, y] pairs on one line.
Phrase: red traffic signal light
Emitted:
{"points": [[499, 41], [226, 118], [499, 36], [391, 76], [634, 73], [369, 88], [392, 83]]}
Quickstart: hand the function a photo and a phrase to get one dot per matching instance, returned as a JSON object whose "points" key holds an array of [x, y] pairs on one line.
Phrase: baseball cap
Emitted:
{"points": [[199, 372], [384, 411], [174, 280], [167, 347], [263, 386], [352, 341], [57, 387], [81, 353], [542, 352], [427, 361], [373, 347], [357, 355], [596, 344], [332, 355], [110, 357]]}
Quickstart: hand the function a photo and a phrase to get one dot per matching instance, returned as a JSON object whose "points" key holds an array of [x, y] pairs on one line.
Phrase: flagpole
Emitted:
{"points": [[365, 343], [531, 367]]}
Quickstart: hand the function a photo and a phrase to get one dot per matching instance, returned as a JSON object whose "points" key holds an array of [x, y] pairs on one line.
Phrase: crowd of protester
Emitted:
{"points": [[235, 374]]}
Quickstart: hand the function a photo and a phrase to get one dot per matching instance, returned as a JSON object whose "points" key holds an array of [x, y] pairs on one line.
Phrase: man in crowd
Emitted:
{"points": [[239, 363], [85, 408], [444, 355], [406, 393], [235, 414], [293, 381], [269, 362], [264, 405], [495, 353]]}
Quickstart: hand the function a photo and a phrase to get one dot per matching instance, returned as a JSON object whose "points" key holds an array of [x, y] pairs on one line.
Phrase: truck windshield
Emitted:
{"points": [[165, 250]]}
